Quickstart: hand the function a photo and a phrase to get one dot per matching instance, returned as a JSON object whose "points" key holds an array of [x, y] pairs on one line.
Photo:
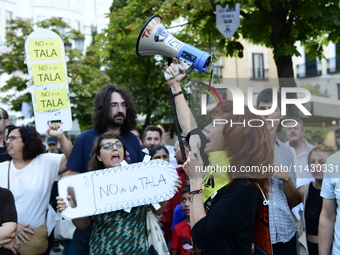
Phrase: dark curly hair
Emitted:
{"points": [[101, 116], [33, 145]]}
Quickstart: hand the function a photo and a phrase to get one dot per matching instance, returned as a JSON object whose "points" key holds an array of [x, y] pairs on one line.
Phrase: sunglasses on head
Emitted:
{"points": [[2, 117]]}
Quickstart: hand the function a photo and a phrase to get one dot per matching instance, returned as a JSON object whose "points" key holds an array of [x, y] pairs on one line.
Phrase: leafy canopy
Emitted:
{"points": [[85, 71]]}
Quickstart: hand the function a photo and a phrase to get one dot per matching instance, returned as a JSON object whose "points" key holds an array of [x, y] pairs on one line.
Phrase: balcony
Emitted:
{"points": [[259, 74], [333, 65], [309, 69]]}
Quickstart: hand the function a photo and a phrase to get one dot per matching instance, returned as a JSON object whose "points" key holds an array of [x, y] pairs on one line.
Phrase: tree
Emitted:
{"points": [[314, 90], [142, 76], [84, 70], [316, 135], [276, 24]]}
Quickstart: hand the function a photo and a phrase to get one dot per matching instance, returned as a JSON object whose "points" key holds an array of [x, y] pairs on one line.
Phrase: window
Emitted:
{"points": [[222, 93], [311, 66], [258, 72], [77, 25], [338, 85], [40, 18], [217, 70], [9, 16]]}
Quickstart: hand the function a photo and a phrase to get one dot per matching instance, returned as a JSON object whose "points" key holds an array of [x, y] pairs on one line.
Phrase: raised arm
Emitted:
{"points": [[65, 144], [185, 117]]}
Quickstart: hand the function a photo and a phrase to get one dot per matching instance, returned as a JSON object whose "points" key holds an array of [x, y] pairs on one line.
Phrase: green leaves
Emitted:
{"points": [[85, 71]]}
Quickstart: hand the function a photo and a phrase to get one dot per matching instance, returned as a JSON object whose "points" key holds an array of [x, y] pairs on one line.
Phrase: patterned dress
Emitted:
{"points": [[120, 233]]}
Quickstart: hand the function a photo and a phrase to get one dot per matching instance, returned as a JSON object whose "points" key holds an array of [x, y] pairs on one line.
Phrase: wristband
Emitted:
{"points": [[176, 94], [192, 193], [197, 191]]}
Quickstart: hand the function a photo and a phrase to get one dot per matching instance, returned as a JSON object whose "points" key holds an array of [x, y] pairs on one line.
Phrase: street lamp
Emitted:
{"points": [[67, 45]]}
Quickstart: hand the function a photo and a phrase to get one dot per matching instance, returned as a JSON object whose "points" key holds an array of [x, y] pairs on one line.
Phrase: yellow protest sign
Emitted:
{"points": [[51, 99], [44, 49], [51, 73]]}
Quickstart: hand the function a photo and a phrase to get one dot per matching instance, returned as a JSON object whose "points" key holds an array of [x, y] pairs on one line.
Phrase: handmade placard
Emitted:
{"points": [[46, 63], [117, 188]]}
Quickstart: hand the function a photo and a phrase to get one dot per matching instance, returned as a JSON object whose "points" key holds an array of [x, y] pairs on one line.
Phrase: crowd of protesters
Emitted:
{"points": [[212, 212]]}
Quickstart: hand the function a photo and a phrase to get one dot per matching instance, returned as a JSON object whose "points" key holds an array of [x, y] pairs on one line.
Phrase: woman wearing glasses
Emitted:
{"points": [[30, 174], [117, 232]]}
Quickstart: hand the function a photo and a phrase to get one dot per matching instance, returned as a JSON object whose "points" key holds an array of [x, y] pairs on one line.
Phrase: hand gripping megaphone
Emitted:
{"points": [[155, 39]]}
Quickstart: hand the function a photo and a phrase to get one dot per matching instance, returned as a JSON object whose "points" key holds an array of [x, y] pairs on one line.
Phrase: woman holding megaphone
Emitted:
{"points": [[223, 204]]}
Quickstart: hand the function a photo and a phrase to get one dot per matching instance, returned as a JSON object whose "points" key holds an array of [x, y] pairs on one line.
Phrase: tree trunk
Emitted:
{"points": [[285, 74], [147, 121]]}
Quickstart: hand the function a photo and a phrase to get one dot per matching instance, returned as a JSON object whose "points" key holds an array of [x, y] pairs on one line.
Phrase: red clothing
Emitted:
{"points": [[168, 212], [181, 238]]}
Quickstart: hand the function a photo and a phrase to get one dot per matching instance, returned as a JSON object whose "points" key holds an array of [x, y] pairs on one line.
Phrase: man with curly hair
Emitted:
{"points": [[114, 110]]}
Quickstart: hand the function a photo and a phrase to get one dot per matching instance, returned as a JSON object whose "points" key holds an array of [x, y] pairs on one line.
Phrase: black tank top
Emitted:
{"points": [[312, 210]]}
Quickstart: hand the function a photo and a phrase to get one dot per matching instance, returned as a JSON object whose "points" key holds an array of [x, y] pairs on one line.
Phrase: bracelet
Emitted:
{"points": [[192, 193], [197, 191], [177, 94]]}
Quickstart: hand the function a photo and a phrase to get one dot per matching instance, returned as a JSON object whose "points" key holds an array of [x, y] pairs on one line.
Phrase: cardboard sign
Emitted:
{"points": [[118, 188], [227, 20], [45, 49], [52, 99], [51, 73], [46, 63], [261, 232]]}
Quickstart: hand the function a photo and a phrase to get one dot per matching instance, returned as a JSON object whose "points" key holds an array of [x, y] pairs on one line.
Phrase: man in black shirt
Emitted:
{"points": [[4, 121]]}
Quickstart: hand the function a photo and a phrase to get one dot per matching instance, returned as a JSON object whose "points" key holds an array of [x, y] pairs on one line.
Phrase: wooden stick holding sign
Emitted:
{"points": [[117, 188], [46, 62]]}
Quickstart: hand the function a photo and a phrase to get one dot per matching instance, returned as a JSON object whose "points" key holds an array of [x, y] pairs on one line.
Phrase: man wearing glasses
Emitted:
{"points": [[115, 111], [4, 122]]}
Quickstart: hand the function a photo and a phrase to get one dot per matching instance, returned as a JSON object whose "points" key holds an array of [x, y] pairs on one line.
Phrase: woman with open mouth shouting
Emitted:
{"points": [[117, 232], [223, 197]]}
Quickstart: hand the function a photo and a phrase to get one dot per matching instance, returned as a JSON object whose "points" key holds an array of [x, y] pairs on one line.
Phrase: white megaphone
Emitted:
{"points": [[155, 39]]}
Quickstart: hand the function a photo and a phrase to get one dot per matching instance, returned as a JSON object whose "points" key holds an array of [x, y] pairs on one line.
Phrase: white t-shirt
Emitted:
{"points": [[331, 190], [31, 186]]}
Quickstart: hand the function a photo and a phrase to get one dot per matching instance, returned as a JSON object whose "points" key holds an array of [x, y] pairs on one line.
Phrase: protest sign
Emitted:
{"points": [[46, 63], [117, 188]]}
